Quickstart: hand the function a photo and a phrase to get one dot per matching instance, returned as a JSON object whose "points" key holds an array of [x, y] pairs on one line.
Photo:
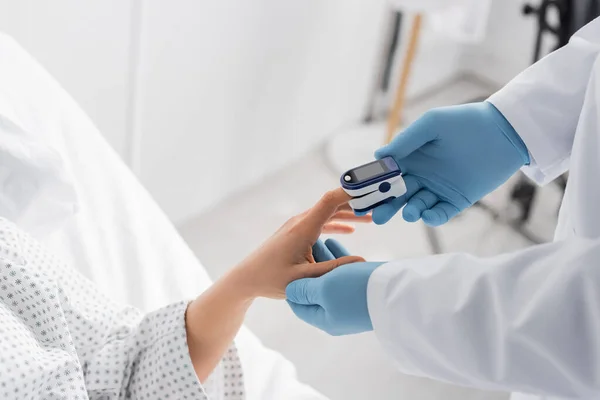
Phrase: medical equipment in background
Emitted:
{"points": [[372, 184]]}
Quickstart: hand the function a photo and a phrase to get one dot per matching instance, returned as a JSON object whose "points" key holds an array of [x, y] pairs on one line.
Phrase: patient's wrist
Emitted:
{"points": [[240, 284], [213, 320]]}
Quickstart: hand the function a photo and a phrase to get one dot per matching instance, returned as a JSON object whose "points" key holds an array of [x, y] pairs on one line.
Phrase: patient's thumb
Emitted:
{"points": [[319, 269]]}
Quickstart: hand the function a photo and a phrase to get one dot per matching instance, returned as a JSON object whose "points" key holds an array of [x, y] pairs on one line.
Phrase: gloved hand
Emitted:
{"points": [[337, 301], [451, 157], [330, 250]]}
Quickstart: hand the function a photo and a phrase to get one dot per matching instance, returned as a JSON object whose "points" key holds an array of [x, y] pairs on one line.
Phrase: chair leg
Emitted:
{"points": [[524, 195], [434, 240], [395, 116]]}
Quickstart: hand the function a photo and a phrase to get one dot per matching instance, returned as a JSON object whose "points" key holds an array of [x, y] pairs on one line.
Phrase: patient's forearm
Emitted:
{"points": [[213, 320]]}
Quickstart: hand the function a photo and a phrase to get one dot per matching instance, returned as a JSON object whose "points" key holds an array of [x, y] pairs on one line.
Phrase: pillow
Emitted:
{"points": [[35, 191]]}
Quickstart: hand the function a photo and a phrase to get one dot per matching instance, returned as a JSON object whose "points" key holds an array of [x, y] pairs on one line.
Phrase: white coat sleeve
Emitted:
{"points": [[544, 102], [523, 322]]}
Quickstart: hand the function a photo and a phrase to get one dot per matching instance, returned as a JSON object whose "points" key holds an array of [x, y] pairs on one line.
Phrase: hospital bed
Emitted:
{"points": [[120, 238]]}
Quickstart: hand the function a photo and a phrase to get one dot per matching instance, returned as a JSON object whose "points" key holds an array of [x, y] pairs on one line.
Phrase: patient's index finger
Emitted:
{"points": [[345, 207], [327, 206]]}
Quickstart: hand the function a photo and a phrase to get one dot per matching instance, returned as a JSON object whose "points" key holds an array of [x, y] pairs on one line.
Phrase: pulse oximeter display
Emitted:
{"points": [[369, 171], [373, 184]]}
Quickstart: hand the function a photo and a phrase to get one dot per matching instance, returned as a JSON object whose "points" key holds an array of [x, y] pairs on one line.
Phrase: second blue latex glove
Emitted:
{"points": [[451, 157], [337, 301]]}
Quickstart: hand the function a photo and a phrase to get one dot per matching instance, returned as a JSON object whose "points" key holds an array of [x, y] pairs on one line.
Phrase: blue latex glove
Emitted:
{"points": [[337, 301], [330, 250], [451, 157]]}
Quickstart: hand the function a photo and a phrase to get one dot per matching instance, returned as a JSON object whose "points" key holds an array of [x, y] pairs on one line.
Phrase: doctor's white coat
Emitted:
{"points": [[526, 322]]}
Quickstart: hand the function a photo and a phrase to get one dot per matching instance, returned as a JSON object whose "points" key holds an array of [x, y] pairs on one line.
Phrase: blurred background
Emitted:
{"points": [[236, 115]]}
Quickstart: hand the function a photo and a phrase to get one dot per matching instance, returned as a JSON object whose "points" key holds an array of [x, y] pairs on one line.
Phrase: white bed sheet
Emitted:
{"points": [[120, 238]]}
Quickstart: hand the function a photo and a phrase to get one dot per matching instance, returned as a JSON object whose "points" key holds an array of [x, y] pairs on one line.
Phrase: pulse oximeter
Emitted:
{"points": [[373, 184]]}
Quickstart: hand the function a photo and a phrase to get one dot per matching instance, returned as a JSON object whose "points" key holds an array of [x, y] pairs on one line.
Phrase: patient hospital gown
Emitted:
{"points": [[62, 339]]}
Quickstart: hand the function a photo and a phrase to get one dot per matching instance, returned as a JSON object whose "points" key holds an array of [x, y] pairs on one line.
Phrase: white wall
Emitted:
{"points": [[509, 45], [438, 58], [231, 90], [214, 95], [85, 45]]}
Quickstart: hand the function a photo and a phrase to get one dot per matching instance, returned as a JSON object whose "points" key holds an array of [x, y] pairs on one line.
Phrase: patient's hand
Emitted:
{"points": [[287, 255], [214, 318]]}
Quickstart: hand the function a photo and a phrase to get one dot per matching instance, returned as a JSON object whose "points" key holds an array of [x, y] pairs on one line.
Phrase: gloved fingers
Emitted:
{"points": [[383, 213], [439, 214], [417, 204], [321, 268], [312, 314], [411, 139], [337, 228], [351, 216], [321, 252], [336, 248], [304, 291]]}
